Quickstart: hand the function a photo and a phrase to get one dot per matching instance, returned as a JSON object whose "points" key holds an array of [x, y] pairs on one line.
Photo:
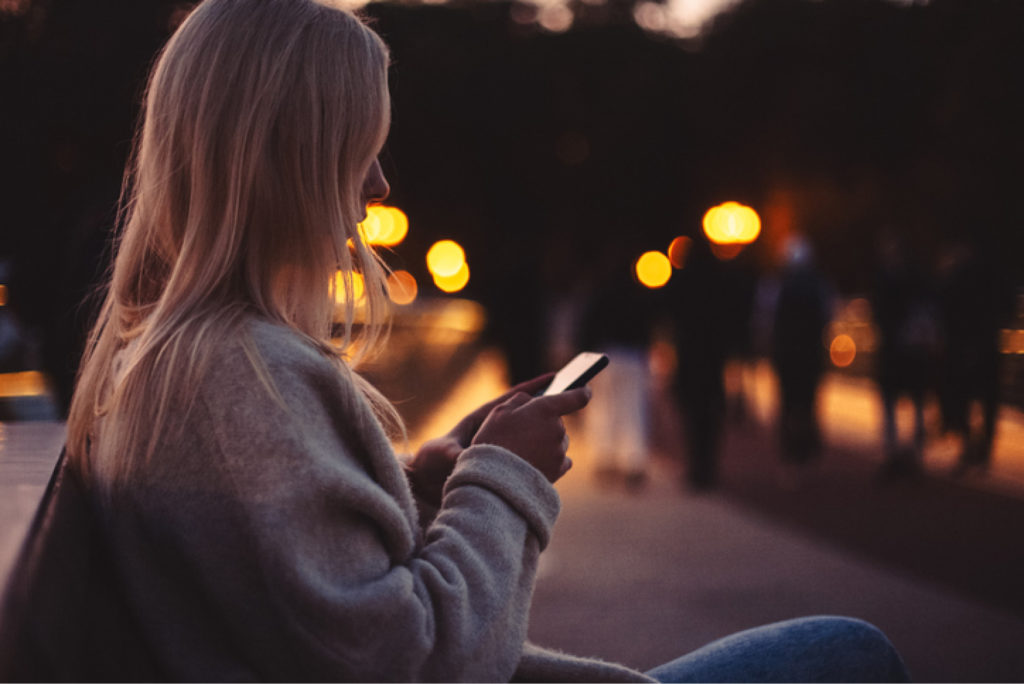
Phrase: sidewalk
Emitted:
{"points": [[642, 578]]}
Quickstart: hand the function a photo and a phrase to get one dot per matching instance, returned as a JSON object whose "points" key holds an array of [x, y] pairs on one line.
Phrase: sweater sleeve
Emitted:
{"points": [[292, 518]]}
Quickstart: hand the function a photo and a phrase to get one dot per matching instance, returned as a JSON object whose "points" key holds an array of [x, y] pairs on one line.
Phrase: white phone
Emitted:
{"points": [[577, 372]]}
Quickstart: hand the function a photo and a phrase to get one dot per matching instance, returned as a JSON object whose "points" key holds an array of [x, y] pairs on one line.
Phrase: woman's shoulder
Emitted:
{"points": [[278, 343], [258, 351], [279, 346]]}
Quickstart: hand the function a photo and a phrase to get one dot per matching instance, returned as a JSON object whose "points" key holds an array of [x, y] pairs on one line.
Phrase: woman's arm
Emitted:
{"points": [[296, 522], [434, 461]]}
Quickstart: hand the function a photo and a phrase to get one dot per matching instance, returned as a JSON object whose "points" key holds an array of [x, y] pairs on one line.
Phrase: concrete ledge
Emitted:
{"points": [[28, 454]]}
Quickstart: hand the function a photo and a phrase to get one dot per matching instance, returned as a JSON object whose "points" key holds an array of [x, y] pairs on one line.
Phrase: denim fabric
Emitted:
{"points": [[811, 649]]}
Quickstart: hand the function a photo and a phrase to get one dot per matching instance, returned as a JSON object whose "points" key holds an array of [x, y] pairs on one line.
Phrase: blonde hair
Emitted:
{"points": [[261, 120]]}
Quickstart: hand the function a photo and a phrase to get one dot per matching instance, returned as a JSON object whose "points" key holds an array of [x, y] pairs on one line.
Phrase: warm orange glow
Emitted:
{"points": [[653, 269], [22, 384], [842, 351], [454, 282], [726, 252], [370, 227], [445, 258], [399, 227], [358, 287], [731, 223], [384, 226], [1012, 341], [402, 287], [555, 18], [679, 250], [3, 295]]}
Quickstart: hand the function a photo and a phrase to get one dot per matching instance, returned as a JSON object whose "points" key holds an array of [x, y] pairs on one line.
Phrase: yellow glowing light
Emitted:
{"points": [[384, 226], [842, 351], [653, 269], [402, 288], [3, 295], [358, 287], [445, 258], [454, 282], [679, 250], [370, 227], [731, 223], [398, 227]]}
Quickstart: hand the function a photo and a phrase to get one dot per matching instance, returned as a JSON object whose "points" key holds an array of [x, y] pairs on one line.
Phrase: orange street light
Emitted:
{"points": [[402, 288], [653, 269], [678, 250], [454, 282], [731, 223], [358, 287], [842, 351], [384, 226], [445, 258]]}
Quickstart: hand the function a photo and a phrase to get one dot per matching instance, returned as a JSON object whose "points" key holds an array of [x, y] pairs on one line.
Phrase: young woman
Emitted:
{"points": [[261, 525]]}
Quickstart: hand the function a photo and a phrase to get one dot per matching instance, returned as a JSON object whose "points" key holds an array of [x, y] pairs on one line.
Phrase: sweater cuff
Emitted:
{"points": [[518, 483]]}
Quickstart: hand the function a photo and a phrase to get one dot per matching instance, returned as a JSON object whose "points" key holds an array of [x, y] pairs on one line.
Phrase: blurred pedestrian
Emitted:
{"points": [[906, 315], [803, 310], [702, 323], [977, 301]]}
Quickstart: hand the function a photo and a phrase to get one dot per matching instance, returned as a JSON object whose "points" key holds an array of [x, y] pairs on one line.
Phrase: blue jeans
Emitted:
{"points": [[812, 649]]}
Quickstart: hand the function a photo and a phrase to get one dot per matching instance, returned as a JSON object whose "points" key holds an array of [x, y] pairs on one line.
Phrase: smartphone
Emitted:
{"points": [[577, 372]]}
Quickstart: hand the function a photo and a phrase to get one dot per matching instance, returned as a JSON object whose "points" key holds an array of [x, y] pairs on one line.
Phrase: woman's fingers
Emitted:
{"points": [[467, 427], [533, 386], [532, 428], [564, 403]]}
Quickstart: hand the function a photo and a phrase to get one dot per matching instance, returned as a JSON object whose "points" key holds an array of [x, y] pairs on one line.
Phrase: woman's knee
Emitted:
{"points": [[811, 649], [857, 646]]}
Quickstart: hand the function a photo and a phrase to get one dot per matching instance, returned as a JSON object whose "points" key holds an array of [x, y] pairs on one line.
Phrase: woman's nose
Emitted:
{"points": [[375, 187]]}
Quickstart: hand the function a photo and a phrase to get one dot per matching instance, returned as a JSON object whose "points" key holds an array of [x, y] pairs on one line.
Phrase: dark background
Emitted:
{"points": [[840, 119]]}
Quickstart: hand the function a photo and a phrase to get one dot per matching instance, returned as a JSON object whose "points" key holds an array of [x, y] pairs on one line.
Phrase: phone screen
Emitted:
{"points": [[577, 372]]}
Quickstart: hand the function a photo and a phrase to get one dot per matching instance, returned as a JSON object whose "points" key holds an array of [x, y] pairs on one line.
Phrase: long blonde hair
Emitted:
{"points": [[261, 120]]}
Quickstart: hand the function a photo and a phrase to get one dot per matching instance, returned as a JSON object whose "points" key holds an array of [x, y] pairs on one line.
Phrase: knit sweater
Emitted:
{"points": [[276, 538]]}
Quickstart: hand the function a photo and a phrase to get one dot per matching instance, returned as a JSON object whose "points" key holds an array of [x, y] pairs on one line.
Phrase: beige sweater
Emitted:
{"points": [[281, 543]]}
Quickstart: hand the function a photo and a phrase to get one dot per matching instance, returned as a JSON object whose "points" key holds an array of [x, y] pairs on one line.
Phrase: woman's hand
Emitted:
{"points": [[532, 428], [434, 461]]}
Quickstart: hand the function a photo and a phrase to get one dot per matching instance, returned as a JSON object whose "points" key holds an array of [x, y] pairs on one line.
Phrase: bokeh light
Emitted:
{"points": [[653, 269], [842, 351], [384, 226], [679, 250], [731, 223], [454, 282], [358, 287], [445, 258], [556, 18], [402, 288]]}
